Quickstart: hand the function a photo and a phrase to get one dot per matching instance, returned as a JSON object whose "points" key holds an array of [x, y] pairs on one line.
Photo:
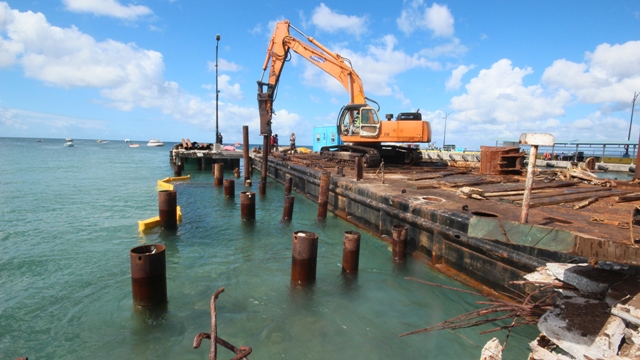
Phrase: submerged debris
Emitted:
{"points": [[241, 353], [526, 313]]}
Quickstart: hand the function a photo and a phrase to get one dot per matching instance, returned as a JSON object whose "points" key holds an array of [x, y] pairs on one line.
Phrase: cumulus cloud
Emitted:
{"points": [[127, 76], [496, 102], [377, 67], [107, 8], [416, 15], [330, 21], [228, 90], [455, 80], [609, 74], [497, 95]]}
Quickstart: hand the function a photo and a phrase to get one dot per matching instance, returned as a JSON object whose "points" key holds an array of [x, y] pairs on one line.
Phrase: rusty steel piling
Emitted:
{"points": [[288, 184], [265, 160], [219, 174], [262, 188], [148, 275], [167, 209], [229, 188], [359, 168], [177, 170], [304, 257], [245, 153], [287, 211], [399, 243], [323, 196], [248, 206], [351, 252]]}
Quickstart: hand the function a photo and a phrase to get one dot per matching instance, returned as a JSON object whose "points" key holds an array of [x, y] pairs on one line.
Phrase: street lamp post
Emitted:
{"points": [[217, 92], [444, 138]]}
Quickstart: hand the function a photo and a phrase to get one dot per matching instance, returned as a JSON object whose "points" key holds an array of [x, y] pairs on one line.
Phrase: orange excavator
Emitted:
{"points": [[361, 129]]}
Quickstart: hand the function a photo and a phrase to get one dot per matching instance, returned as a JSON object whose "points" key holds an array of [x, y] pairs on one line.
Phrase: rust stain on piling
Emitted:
{"points": [[148, 275], [304, 258]]}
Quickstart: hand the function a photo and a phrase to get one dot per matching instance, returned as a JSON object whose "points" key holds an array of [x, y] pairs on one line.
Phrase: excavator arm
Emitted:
{"points": [[277, 53]]}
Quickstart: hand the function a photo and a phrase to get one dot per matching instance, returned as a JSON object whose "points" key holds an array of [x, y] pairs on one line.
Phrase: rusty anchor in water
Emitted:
{"points": [[241, 353]]}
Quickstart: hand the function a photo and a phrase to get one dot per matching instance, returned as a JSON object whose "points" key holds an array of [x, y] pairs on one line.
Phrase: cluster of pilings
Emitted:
{"points": [[148, 262]]}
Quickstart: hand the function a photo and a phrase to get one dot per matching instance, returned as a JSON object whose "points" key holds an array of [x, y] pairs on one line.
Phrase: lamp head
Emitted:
{"points": [[218, 37]]}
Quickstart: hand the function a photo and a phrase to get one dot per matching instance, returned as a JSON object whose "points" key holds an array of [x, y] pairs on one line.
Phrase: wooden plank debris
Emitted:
{"points": [[429, 176], [628, 197], [559, 192], [562, 199], [585, 203], [519, 186]]}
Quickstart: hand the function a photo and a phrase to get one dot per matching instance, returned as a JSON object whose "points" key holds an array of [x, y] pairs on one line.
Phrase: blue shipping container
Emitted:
{"points": [[325, 136]]}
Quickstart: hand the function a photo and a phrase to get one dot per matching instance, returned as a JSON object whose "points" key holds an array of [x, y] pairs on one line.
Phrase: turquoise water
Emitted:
{"points": [[69, 219]]}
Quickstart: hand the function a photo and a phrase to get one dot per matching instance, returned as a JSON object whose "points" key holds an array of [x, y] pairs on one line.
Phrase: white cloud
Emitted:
{"points": [[416, 15], [610, 74], [455, 80], [498, 96], [227, 90], [330, 21], [497, 105], [107, 8], [377, 68], [223, 65], [127, 76]]}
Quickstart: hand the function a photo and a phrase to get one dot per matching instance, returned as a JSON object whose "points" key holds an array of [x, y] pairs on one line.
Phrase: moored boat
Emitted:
{"points": [[134, 145], [68, 142], [155, 142]]}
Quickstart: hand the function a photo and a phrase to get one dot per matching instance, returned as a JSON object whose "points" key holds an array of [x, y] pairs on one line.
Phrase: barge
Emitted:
{"points": [[478, 240]]}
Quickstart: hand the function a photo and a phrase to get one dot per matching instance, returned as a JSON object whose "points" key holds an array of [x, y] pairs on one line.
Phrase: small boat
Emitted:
{"points": [[134, 145], [127, 140], [155, 142], [68, 143], [38, 140]]}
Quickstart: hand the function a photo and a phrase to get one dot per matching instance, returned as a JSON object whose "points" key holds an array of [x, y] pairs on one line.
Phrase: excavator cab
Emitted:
{"points": [[359, 120]]}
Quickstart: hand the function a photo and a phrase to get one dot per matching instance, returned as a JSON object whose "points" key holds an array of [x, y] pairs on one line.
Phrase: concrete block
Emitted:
{"points": [[541, 275], [626, 312], [492, 350], [540, 353], [584, 277], [565, 324], [608, 340]]}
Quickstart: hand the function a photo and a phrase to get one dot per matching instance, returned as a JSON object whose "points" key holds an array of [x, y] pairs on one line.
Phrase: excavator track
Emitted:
{"points": [[372, 156], [347, 154]]}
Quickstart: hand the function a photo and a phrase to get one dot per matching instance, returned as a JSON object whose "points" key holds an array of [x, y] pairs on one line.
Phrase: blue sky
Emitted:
{"points": [[116, 69]]}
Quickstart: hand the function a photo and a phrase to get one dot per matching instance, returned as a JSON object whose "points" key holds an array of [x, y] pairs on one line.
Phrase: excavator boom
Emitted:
{"points": [[358, 123]]}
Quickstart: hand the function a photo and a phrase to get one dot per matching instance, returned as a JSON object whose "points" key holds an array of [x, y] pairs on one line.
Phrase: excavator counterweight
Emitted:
{"points": [[358, 124]]}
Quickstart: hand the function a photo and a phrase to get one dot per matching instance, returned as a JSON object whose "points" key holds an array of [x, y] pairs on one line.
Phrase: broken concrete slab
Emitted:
{"points": [[542, 275], [492, 350], [539, 352], [608, 340], [586, 278], [565, 324]]}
